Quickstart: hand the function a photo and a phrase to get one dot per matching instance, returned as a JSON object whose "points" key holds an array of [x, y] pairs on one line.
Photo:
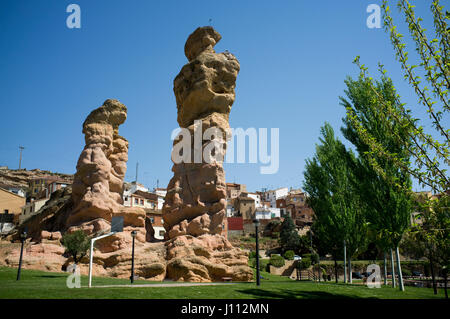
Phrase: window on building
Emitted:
{"points": [[126, 198], [162, 232], [136, 201], [152, 220], [142, 202]]}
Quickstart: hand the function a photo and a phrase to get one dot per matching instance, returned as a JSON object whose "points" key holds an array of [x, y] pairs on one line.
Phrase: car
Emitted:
{"points": [[417, 274], [297, 257], [357, 275]]}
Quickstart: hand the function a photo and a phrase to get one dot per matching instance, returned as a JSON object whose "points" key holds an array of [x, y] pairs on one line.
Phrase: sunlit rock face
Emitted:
{"points": [[98, 183], [204, 89], [195, 204]]}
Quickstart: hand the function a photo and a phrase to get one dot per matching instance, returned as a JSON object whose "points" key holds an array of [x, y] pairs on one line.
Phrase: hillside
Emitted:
{"points": [[20, 178]]}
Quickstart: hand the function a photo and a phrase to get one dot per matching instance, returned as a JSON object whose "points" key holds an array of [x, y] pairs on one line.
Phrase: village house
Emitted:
{"points": [[234, 190], [156, 220], [298, 209], [245, 207], [141, 199], [160, 191], [42, 187], [255, 196], [272, 195], [55, 185], [32, 208], [10, 204]]}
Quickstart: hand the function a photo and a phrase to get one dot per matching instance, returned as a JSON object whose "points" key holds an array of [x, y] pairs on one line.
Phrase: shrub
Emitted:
{"points": [[252, 254], [263, 263], [76, 244], [276, 261], [289, 255], [313, 257], [305, 263]]}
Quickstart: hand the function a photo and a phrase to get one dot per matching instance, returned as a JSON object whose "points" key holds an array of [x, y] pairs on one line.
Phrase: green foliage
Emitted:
{"points": [[429, 151], [314, 258], [263, 264], [77, 244], [289, 255], [276, 261], [387, 207], [252, 254], [305, 263], [330, 184], [289, 237], [406, 272], [431, 238]]}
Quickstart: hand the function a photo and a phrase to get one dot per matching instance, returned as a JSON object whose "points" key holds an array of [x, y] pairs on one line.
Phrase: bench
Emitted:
{"points": [[227, 278]]}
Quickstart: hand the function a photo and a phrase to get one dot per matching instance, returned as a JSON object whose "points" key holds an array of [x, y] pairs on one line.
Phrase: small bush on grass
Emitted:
{"points": [[276, 261]]}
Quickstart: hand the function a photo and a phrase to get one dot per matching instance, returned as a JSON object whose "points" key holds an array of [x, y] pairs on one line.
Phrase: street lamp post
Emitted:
{"points": [[256, 222], [23, 236], [133, 234]]}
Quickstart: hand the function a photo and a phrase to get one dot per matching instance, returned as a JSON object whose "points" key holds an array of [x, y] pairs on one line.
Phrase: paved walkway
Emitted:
{"points": [[188, 284]]}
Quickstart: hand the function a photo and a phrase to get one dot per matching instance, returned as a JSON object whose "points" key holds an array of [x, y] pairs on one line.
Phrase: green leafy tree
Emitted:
{"points": [[289, 237], [329, 182], [388, 208], [430, 80], [430, 238], [77, 245]]}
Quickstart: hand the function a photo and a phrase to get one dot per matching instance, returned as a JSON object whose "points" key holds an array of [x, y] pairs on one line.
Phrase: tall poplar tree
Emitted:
{"points": [[388, 207], [330, 187]]}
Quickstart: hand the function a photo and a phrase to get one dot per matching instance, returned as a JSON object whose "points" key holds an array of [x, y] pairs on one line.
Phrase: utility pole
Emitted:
{"points": [[20, 158], [137, 166]]}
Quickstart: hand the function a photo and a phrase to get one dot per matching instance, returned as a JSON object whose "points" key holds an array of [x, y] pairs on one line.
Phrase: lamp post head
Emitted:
{"points": [[256, 222], [133, 233], [23, 235]]}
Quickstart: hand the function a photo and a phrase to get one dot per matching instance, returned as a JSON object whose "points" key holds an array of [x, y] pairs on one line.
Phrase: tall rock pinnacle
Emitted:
{"points": [[204, 89], [98, 183], [195, 204]]}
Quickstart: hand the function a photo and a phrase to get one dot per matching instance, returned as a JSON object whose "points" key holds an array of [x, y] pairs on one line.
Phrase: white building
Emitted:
{"points": [[31, 209], [160, 191], [141, 199], [256, 197], [130, 188], [273, 195], [267, 213]]}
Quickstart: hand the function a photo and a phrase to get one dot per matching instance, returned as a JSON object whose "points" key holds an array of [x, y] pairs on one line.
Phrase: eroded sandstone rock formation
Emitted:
{"points": [[98, 183], [195, 203], [89, 205], [204, 89]]}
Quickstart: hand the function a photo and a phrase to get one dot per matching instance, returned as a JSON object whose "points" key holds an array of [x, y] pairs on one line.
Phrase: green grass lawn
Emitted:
{"points": [[39, 284]]}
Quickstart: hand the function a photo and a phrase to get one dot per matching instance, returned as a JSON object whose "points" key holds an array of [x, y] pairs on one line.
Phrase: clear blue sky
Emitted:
{"points": [[294, 57]]}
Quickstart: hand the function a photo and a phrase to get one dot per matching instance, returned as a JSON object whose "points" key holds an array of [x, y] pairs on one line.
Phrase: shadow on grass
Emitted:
{"points": [[294, 294]]}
